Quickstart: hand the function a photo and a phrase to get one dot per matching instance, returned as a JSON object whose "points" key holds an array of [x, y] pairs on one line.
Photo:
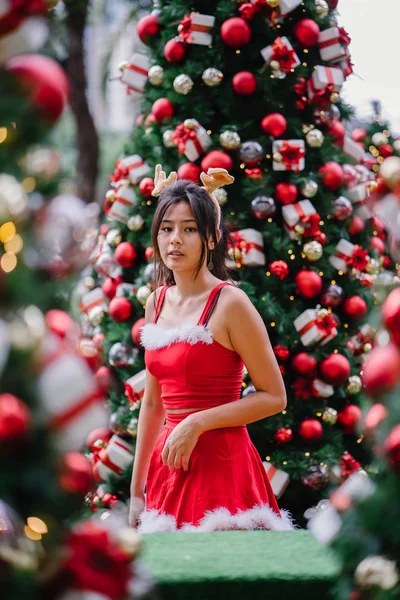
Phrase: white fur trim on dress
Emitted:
{"points": [[221, 519], [152, 336]]}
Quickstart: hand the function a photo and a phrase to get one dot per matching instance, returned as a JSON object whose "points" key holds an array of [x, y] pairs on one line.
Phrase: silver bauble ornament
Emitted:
{"points": [[373, 267], [309, 188], [212, 76], [342, 208], [13, 201], [114, 237], [396, 145], [354, 384], [377, 572], [118, 420], [329, 416], [322, 8], [251, 153], [315, 138], [230, 140], [96, 315], [379, 138], [334, 97], [313, 250], [390, 172], [89, 282], [326, 115], [263, 207], [183, 84], [122, 355], [142, 294], [148, 272], [156, 75], [221, 195], [167, 138], [135, 223], [132, 426]]}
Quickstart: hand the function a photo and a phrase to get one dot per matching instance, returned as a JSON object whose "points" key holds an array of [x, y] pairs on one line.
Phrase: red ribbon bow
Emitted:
{"points": [[312, 221], [285, 56], [303, 388], [358, 258], [300, 89], [243, 245], [326, 324], [291, 155], [344, 37], [185, 29], [182, 135]]}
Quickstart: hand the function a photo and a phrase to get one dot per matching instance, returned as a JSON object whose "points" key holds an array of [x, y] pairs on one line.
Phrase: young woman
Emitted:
{"points": [[199, 467]]}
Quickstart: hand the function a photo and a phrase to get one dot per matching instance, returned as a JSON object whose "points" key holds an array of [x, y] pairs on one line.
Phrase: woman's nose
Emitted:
{"points": [[175, 236]]}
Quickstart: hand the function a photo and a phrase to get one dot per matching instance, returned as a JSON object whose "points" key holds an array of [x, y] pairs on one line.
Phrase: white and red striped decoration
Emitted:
{"points": [[278, 479], [135, 73]]}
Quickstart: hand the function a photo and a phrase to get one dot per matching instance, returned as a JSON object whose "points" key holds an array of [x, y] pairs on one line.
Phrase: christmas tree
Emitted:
{"points": [[253, 88], [47, 386]]}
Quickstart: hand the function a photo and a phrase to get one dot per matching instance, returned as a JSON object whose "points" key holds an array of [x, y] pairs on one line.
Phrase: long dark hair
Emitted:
{"points": [[205, 215]]}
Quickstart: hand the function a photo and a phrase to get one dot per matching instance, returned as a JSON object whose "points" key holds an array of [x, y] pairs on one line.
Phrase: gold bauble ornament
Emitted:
{"points": [[110, 195], [190, 123], [309, 188], [212, 76], [96, 500], [272, 3], [313, 250], [132, 427], [371, 186], [96, 315], [334, 97], [390, 171], [167, 138], [123, 65], [99, 444], [299, 229], [354, 384], [183, 84], [367, 347], [306, 128], [234, 254], [221, 195], [329, 416], [230, 140], [275, 66], [129, 540], [373, 267], [322, 8], [89, 282], [135, 223], [114, 237], [142, 294], [379, 138], [277, 157], [156, 75], [315, 138], [322, 313]]}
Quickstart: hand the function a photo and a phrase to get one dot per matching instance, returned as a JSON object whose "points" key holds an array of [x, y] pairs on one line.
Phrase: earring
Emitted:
{"points": [[210, 262]]}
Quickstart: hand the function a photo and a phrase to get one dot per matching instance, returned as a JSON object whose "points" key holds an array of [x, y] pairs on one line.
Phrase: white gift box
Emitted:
{"points": [[126, 289], [366, 334], [295, 213], [72, 402], [343, 251], [267, 52], [284, 146], [198, 142], [285, 7], [310, 333], [352, 149], [278, 479], [322, 77], [387, 209], [91, 299], [331, 47], [125, 198], [358, 196], [114, 458], [251, 244], [135, 166], [323, 389], [136, 383], [136, 73], [200, 29]]}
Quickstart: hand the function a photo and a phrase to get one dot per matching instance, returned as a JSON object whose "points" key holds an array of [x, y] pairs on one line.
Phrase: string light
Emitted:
{"points": [[306, 454], [304, 64], [37, 525], [291, 298], [7, 232], [292, 257], [290, 251], [15, 245], [28, 184], [237, 51], [32, 535], [268, 458], [340, 272], [284, 462], [3, 134], [333, 282], [8, 262], [321, 273], [346, 325], [272, 324], [268, 273], [284, 412]]}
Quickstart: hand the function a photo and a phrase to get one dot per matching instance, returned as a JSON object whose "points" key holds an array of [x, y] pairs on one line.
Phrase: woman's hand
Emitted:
{"points": [[136, 506], [180, 444]]}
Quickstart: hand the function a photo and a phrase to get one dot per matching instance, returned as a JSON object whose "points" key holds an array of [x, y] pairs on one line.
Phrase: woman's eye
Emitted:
{"points": [[191, 228], [165, 228]]}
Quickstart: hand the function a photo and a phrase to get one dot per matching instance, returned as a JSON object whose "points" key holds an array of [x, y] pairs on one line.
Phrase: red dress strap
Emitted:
{"points": [[211, 303], [160, 302]]}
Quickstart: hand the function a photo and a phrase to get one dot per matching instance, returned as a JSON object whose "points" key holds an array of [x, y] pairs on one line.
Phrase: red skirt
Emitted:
{"points": [[225, 488]]}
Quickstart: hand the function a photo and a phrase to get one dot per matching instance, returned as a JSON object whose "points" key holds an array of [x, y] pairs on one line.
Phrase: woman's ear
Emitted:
{"points": [[219, 234]]}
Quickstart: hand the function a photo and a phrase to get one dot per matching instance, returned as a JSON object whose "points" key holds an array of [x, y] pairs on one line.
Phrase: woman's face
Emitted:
{"points": [[179, 239]]}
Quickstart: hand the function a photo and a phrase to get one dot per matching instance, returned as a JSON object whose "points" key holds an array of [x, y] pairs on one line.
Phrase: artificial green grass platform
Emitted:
{"points": [[240, 564]]}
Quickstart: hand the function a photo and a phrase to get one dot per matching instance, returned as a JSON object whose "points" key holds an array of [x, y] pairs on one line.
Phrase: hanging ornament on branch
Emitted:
{"points": [[212, 76]]}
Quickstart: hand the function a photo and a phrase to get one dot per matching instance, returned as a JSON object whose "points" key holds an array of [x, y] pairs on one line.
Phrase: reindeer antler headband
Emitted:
{"points": [[212, 180]]}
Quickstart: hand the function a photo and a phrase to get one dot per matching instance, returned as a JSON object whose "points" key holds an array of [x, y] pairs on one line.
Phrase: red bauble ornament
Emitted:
{"points": [[244, 83], [386, 150], [274, 124], [149, 253], [44, 82], [174, 51], [59, 322], [109, 286], [377, 244], [279, 268], [101, 433], [216, 158], [338, 132], [391, 314], [304, 364], [311, 430], [120, 309], [282, 353], [357, 225], [392, 447], [135, 331], [306, 33], [103, 377], [189, 171], [162, 110], [104, 229], [332, 175], [358, 134], [308, 284], [335, 369], [320, 237], [355, 307], [15, 418], [286, 193], [235, 32], [150, 119], [348, 417], [125, 254], [75, 476], [375, 415], [148, 27], [381, 369], [283, 436], [146, 186]]}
